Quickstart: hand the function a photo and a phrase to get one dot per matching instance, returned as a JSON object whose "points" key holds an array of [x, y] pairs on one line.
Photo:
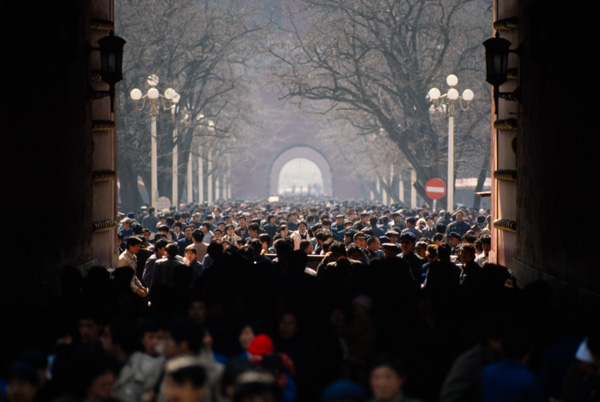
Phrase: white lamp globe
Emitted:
{"points": [[153, 80], [452, 94], [136, 94], [434, 94], [452, 80], [468, 95], [170, 93], [153, 93]]}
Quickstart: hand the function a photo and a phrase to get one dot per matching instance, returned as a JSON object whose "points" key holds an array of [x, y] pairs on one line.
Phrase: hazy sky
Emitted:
{"points": [[300, 172]]}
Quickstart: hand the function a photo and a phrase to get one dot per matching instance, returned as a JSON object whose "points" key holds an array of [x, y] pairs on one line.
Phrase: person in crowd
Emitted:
{"points": [[414, 261], [128, 259], [387, 378]]}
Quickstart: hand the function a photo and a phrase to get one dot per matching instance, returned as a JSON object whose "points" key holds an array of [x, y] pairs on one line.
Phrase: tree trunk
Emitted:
{"points": [[481, 180], [131, 198]]}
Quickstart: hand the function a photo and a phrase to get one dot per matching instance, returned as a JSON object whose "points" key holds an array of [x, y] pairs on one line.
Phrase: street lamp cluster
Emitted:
{"points": [[153, 95], [446, 102]]}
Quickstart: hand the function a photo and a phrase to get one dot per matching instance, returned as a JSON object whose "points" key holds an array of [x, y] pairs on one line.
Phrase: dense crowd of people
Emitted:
{"points": [[307, 300]]}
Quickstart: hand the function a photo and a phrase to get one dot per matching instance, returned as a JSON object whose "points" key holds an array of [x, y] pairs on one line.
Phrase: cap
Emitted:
{"points": [[359, 235], [261, 345], [406, 234], [390, 246], [454, 234]]}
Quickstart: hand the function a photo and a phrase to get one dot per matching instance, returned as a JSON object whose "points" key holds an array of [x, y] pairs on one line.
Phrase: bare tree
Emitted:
{"points": [[202, 49], [375, 61]]}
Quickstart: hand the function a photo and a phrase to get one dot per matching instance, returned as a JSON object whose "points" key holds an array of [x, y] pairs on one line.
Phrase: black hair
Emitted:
{"points": [[162, 242], [187, 369], [184, 329], [198, 235]]}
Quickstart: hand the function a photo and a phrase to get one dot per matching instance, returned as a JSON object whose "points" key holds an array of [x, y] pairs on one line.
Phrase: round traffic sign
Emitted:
{"points": [[435, 189]]}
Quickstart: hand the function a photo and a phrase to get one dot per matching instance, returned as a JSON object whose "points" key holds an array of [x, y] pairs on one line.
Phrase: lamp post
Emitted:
{"points": [[153, 95], [438, 100]]}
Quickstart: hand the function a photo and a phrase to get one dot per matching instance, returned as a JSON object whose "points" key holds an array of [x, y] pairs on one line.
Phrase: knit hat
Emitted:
{"points": [[261, 345]]}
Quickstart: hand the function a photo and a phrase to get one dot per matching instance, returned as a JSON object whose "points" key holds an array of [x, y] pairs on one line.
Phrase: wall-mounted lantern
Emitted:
{"points": [[111, 63]]}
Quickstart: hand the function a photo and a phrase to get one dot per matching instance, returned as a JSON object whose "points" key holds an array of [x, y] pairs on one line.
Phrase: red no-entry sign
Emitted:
{"points": [[435, 189]]}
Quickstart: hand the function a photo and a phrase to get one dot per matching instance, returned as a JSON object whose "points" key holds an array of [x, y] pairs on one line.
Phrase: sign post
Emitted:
{"points": [[435, 189]]}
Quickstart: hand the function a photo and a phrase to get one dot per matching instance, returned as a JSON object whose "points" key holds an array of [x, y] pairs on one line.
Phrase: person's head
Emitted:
{"points": [[344, 391], [256, 386], [126, 223], [22, 382], [407, 242], [421, 249], [249, 330], [460, 215], [467, 253], [151, 335], [190, 253], [185, 380], [253, 229], [454, 239], [172, 249], [163, 229], [206, 227], [177, 227], [392, 235], [386, 377], [431, 252], [283, 230], [184, 336], [197, 235], [354, 252], [218, 233], [188, 232], [373, 243], [444, 251], [197, 309], [134, 244], [360, 239], [437, 238], [90, 326], [486, 243], [390, 250], [288, 325], [302, 226], [265, 240], [306, 246], [160, 247], [429, 221]]}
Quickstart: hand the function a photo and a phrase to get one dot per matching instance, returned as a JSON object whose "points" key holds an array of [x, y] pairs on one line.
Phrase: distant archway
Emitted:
{"points": [[300, 176], [305, 152]]}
